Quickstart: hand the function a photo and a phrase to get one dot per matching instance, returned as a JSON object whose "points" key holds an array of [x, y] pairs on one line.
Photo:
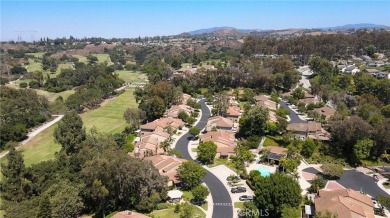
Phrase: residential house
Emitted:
{"points": [[173, 112], [225, 141], [325, 112], [129, 214], [352, 69], [275, 153], [344, 203], [188, 69], [167, 166], [148, 146], [264, 101], [310, 129], [162, 124], [233, 113], [366, 58], [207, 67], [309, 98], [383, 75], [220, 123], [372, 71], [233, 102]]}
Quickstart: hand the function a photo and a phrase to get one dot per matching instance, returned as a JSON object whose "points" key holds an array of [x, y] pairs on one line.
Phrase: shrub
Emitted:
{"points": [[332, 171], [161, 206], [177, 208], [33, 84], [23, 85]]}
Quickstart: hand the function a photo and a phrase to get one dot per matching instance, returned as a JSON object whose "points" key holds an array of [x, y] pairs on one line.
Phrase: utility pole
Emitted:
{"points": [[20, 33]]}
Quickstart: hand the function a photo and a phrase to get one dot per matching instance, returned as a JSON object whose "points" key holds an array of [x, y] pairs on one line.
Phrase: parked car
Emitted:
{"points": [[246, 198], [238, 189]]}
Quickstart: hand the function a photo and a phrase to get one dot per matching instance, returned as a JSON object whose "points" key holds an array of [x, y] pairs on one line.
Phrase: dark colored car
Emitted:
{"points": [[238, 189], [246, 198]]}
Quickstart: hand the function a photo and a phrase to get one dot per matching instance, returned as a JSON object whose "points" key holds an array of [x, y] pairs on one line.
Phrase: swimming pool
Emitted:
{"points": [[263, 171]]}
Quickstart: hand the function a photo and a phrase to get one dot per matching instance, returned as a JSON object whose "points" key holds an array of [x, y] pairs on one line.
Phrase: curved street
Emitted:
{"points": [[223, 207]]}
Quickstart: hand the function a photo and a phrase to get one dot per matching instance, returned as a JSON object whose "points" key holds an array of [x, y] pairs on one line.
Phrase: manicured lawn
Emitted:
{"points": [[51, 96], [81, 58], [239, 205], [108, 118], [36, 54], [131, 76], [34, 66], [40, 148], [171, 214], [270, 142], [103, 57]]}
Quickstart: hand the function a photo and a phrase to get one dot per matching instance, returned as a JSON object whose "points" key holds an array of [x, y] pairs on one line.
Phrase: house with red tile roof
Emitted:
{"points": [[310, 129], [264, 101], [129, 214], [325, 112], [220, 123], [167, 166], [233, 113], [174, 110], [345, 203], [162, 124], [225, 141]]}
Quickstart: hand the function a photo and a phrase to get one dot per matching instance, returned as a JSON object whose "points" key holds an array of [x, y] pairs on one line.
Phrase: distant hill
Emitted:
{"points": [[356, 26], [232, 31]]}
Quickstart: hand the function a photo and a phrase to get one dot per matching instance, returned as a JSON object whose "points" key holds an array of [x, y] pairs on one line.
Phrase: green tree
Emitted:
{"points": [[65, 199], [220, 105], [254, 121], [386, 111], [70, 132], [276, 191], [182, 115], [190, 120], [92, 59], [44, 210], [186, 210], [288, 165], [308, 148], [200, 193], [12, 184], [250, 210], [370, 50], [154, 107], [318, 183], [207, 152], [194, 131], [362, 150], [326, 214], [290, 212], [190, 174], [298, 93], [134, 117]]}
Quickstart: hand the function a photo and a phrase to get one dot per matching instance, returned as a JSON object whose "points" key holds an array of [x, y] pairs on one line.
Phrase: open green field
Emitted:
{"points": [[101, 58], [51, 96], [131, 76], [34, 66], [171, 214], [36, 54], [108, 118]]}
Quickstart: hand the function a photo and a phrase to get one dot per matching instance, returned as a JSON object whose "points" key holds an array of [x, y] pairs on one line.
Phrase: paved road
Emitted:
{"points": [[222, 202], [35, 132], [306, 72], [359, 181], [294, 118]]}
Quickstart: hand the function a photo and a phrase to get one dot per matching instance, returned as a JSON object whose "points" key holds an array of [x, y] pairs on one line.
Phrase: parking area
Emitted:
{"points": [[222, 172]]}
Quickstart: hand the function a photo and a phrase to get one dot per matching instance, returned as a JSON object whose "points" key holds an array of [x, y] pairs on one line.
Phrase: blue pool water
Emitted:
{"points": [[264, 172]]}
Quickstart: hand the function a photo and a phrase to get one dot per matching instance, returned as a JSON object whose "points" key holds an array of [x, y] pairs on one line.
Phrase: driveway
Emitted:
{"points": [[359, 181], [223, 207], [294, 118], [306, 72]]}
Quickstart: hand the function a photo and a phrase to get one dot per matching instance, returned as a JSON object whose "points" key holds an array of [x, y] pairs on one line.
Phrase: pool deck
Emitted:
{"points": [[255, 166]]}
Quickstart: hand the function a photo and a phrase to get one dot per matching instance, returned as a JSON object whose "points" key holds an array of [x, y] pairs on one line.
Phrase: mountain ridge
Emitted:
{"points": [[245, 31]]}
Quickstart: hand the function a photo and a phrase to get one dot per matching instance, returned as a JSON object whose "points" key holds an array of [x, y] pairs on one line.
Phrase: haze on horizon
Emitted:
{"points": [[126, 19]]}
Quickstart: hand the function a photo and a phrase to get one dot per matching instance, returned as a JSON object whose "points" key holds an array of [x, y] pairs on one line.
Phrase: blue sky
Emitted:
{"points": [[149, 18]]}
